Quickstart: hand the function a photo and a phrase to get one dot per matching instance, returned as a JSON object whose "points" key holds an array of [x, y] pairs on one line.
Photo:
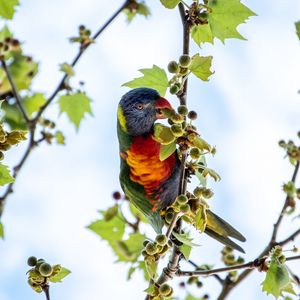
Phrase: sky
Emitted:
{"points": [[249, 104]]}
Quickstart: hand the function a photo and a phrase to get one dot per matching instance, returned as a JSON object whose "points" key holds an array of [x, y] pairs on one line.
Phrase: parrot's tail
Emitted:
{"points": [[220, 230], [156, 222]]}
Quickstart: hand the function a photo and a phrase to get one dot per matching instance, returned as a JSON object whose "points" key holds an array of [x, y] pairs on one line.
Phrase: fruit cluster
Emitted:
{"points": [[8, 139], [40, 273], [292, 150], [7, 45], [161, 292], [84, 37], [152, 250]]}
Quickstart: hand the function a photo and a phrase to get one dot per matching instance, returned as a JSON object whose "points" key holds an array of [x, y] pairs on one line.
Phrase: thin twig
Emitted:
{"points": [[250, 265], [229, 284], [15, 92], [172, 225], [61, 84], [46, 288]]}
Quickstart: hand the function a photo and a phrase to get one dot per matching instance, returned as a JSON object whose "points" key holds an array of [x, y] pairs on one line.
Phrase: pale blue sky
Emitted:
{"points": [[248, 105]]}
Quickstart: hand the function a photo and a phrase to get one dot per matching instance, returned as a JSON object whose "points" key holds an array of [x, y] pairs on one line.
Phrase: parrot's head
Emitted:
{"points": [[139, 109]]}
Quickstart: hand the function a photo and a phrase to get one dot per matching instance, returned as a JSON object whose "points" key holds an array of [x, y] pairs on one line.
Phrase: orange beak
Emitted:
{"points": [[163, 108]]}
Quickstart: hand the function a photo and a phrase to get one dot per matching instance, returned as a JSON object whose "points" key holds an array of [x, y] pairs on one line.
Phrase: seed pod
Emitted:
{"points": [[165, 289], [161, 239], [173, 67], [182, 110], [182, 199], [31, 261], [151, 248], [45, 269], [184, 60]]}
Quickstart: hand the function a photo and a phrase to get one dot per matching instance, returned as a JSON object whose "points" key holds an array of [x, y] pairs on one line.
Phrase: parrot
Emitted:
{"points": [[149, 183]]}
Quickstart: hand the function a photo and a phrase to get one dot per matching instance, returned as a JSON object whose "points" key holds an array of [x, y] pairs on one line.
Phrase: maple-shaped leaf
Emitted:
{"points": [[5, 176], [75, 106], [225, 16], [155, 78], [8, 8]]}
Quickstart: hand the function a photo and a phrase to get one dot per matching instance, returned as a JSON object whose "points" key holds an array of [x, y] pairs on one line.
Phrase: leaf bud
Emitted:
{"points": [[161, 239], [282, 259], [173, 67], [195, 153], [182, 110], [31, 261], [277, 251], [192, 115], [184, 60], [151, 248]]}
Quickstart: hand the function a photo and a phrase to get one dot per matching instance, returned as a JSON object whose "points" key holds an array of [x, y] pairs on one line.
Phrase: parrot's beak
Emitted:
{"points": [[163, 108]]}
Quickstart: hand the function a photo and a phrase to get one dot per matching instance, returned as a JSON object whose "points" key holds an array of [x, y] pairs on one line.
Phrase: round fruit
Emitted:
{"points": [[151, 248], [182, 199], [173, 66], [161, 239], [195, 153], [31, 261], [165, 289], [45, 269], [184, 60], [198, 191], [182, 110], [177, 130], [185, 208], [192, 115], [174, 89], [177, 119], [207, 193]]}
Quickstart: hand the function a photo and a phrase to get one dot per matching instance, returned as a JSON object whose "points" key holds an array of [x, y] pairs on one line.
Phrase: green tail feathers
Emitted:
{"points": [[220, 230], [156, 222]]}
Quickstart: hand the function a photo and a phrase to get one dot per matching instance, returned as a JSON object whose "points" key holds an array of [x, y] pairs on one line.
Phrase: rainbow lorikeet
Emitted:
{"points": [[149, 183]]}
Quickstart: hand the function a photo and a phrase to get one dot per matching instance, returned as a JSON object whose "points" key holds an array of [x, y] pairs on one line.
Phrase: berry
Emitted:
{"points": [[174, 89], [151, 248], [195, 153], [184, 60], [182, 199], [169, 217], [165, 289], [116, 195], [161, 239], [192, 115], [39, 262], [185, 208], [182, 110], [199, 284], [281, 143], [173, 66], [45, 269], [31, 261], [177, 130], [177, 119]]}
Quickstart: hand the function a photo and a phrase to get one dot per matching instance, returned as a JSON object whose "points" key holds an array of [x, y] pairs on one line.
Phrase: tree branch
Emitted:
{"points": [[15, 92], [46, 288], [77, 57], [250, 265], [229, 284]]}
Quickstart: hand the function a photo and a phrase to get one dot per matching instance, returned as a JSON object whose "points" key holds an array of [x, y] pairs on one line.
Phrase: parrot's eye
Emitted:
{"points": [[139, 106]]}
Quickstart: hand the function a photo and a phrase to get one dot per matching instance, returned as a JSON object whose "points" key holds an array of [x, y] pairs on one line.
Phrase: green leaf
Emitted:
{"points": [[60, 275], [277, 278], [130, 272], [4, 33], [202, 34], [7, 8], [13, 117], [191, 297], [60, 138], [169, 3], [163, 134], [226, 15], [184, 238], [33, 103], [185, 250], [212, 173], [1, 231], [155, 78], [110, 231], [201, 178], [150, 289], [75, 106], [297, 25], [200, 218], [151, 266], [138, 9], [22, 71], [137, 213], [5, 176], [129, 250], [111, 212], [67, 68], [166, 151], [200, 66]]}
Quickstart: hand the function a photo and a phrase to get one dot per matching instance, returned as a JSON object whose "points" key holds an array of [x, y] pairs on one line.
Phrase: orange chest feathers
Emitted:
{"points": [[145, 165]]}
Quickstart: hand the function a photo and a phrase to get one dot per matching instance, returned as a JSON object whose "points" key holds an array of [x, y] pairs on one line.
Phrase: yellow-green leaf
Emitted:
{"points": [[200, 218], [140, 9], [8, 8], [226, 15], [67, 68], [170, 3], [184, 238], [5, 176], [75, 106], [297, 25], [60, 138], [155, 78], [212, 173], [166, 151], [60, 275], [200, 66], [1, 231], [33, 103], [185, 250], [163, 134], [202, 34]]}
